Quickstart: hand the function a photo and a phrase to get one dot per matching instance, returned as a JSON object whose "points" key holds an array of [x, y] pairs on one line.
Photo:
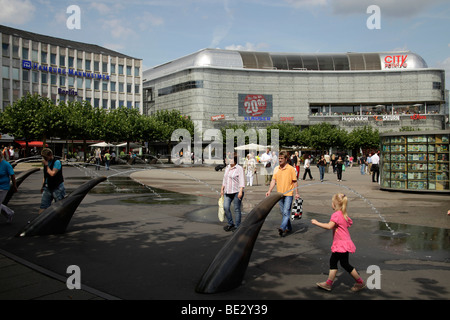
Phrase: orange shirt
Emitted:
{"points": [[285, 179]]}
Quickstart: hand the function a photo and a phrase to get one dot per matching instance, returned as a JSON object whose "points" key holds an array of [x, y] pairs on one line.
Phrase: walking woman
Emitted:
{"points": [[233, 191], [339, 164], [321, 165]]}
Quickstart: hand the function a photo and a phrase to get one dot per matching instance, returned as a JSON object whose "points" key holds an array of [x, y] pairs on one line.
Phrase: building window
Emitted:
{"points": [[436, 85], [113, 86], [120, 68], [105, 67], [87, 82], [113, 68], [113, 104], [105, 86], [53, 58], [79, 83], [15, 52], [96, 66], [5, 49], [79, 63], [43, 78], [121, 87], [128, 88], [136, 89], [128, 70], [71, 61], [35, 77], [34, 55], [62, 60], [62, 81], [136, 71], [53, 79], [5, 72], [15, 73], [96, 85], [96, 102], [87, 64], [180, 87], [105, 103], [25, 75], [25, 53], [43, 57]]}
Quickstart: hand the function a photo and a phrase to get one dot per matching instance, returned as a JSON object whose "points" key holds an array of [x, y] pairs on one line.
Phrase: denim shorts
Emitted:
{"points": [[48, 196]]}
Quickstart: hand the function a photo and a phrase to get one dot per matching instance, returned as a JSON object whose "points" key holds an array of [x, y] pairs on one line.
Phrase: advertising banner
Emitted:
{"points": [[255, 106]]}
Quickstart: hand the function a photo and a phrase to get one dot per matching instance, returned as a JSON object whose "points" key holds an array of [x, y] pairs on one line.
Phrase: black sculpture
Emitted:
{"points": [[55, 219], [228, 268], [19, 179]]}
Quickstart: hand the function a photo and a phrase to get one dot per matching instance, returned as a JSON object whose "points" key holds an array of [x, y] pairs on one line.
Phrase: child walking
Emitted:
{"points": [[342, 243]]}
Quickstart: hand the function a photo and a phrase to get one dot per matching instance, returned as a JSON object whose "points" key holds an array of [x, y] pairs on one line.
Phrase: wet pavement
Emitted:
{"points": [[151, 232]]}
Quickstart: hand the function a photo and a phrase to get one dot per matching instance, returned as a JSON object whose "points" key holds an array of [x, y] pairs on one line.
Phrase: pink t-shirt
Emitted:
{"points": [[342, 241]]}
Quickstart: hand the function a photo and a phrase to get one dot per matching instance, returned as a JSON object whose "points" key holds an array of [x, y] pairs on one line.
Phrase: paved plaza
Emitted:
{"points": [[153, 236]]}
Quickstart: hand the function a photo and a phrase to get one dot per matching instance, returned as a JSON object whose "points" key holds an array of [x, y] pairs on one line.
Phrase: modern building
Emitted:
{"points": [[67, 70], [387, 90]]}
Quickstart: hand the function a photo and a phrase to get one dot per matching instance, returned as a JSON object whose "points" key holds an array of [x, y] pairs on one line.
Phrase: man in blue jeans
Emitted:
{"points": [[285, 178], [53, 183]]}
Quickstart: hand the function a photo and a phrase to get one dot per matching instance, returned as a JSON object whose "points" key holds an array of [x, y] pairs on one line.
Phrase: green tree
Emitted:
{"points": [[363, 138], [323, 136]]}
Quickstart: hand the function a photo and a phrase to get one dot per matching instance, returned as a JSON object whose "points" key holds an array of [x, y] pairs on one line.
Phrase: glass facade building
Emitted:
{"points": [[65, 70], [386, 90]]}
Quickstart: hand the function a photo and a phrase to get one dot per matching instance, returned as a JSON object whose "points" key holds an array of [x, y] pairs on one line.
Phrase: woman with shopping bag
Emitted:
{"points": [[233, 191]]}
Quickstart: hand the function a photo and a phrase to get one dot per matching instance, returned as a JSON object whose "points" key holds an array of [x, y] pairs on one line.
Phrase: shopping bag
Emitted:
{"points": [[297, 209], [221, 212]]}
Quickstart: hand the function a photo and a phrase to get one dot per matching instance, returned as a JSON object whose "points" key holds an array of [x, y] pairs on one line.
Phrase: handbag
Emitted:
{"points": [[268, 164], [297, 209], [221, 212]]}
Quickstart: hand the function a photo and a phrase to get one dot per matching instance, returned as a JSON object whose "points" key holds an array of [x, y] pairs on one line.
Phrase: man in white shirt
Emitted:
{"points": [[375, 166], [266, 160]]}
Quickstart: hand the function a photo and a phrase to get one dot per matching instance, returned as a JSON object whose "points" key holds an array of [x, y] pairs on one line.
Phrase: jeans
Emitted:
{"points": [[47, 196], [363, 167], [233, 197], [285, 207], [322, 172]]}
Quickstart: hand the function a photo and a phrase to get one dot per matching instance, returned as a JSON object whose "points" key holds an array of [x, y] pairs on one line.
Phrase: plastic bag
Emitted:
{"points": [[221, 212]]}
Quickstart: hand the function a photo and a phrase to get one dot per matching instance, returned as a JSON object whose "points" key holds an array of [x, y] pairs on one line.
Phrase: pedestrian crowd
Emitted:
{"points": [[283, 171]]}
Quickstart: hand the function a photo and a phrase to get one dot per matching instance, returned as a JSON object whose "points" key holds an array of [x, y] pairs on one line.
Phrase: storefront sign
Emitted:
{"points": [[355, 118], [62, 71], [257, 118], [218, 117], [418, 117], [255, 105], [387, 118], [394, 61], [70, 92], [286, 118]]}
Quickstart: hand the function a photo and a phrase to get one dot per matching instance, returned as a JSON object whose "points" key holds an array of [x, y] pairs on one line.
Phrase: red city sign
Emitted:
{"points": [[398, 61]]}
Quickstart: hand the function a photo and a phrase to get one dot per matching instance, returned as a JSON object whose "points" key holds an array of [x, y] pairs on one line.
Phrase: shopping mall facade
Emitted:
{"points": [[65, 70], [387, 90]]}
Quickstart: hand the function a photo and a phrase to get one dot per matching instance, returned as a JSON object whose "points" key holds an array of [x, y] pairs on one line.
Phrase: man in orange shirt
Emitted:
{"points": [[285, 177]]}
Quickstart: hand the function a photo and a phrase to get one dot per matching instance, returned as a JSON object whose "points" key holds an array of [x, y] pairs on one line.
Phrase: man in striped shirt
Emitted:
{"points": [[233, 191]]}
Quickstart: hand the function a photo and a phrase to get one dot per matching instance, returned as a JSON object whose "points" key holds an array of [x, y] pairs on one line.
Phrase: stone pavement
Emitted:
{"points": [[155, 239]]}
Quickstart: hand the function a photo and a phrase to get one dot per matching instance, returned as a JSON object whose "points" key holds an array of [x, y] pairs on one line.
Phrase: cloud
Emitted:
{"points": [[118, 29], [247, 47], [16, 11]]}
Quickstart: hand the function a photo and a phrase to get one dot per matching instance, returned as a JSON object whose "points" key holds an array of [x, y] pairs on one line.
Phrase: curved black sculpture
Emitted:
{"points": [[19, 179], [54, 219], [228, 268]]}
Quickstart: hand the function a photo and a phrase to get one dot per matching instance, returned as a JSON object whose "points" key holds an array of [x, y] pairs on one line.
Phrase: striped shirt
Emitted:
{"points": [[233, 179]]}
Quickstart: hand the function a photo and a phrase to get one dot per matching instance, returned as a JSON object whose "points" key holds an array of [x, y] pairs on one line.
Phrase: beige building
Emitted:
{"points": [[66, 70]]}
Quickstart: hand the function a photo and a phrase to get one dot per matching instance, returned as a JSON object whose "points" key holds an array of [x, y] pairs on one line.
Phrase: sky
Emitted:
{"points": [[159, 31]]}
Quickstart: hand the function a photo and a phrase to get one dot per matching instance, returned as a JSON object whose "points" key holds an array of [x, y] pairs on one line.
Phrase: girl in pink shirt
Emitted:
{"points": [[342, 242]]}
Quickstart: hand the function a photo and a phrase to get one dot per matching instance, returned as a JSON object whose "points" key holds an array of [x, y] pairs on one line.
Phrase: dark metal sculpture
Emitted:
{"points": [[19, 179], [55, 219], [228, 268]]}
